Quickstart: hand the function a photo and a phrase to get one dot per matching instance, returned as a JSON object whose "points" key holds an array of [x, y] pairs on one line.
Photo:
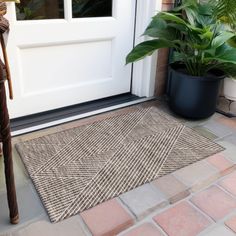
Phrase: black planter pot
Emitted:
{"points": [[192, 96]]}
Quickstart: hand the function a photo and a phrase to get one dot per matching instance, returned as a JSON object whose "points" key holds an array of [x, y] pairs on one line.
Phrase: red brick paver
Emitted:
{"points": [[221, 163], [146, 229], [173, 189], [229, 183], [108, 218], [214, 202], [231, 223], [197, 175], [182, 220]]}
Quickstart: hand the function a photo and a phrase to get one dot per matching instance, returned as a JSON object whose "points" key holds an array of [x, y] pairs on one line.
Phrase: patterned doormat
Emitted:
{"points": [[78, 168]]}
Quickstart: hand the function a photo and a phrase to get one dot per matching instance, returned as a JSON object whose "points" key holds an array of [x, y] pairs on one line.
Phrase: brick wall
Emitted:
{"points": [[162, 63]]}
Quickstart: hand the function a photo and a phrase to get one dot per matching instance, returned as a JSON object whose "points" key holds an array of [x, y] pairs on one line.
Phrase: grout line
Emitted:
{"points": [[225, 191], [128, 209], [201, 211], [84, 226], [159, 227], [223, 137]]}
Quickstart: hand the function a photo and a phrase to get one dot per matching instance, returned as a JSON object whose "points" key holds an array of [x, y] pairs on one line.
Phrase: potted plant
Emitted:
{"points": [[201, 54]]}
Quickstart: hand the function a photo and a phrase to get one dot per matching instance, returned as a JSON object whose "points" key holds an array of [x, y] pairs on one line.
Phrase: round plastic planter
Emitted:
{"points": [[230, 88], [192, 96]]}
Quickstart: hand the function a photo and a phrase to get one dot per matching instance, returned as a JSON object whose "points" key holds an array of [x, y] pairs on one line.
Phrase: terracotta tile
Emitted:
{"points": [[108, 218], [221, 163], [229, 183], [214, 202], [147, 229], [231, 223], [182, 219], [197, 175], [173, 189]]}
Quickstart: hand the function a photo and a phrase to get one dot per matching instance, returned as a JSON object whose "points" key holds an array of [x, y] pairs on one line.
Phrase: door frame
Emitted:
{"points": [[144, 71]]}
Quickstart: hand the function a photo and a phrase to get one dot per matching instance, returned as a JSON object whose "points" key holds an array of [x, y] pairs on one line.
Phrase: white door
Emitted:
{"points": [[65, 53]]}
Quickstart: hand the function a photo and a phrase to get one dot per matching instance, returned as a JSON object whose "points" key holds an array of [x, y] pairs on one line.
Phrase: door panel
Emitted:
{"points": [[61, 62]]}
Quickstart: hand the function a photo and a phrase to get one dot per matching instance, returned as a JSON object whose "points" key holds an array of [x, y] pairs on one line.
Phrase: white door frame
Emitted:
{"points": [[144, 71]]}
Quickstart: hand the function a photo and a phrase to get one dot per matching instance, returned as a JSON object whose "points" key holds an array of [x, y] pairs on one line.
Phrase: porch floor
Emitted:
{"points": [[199, 199]]}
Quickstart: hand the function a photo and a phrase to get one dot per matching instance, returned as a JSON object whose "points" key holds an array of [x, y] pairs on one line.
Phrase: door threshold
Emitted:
{"points": [[44, 120]]}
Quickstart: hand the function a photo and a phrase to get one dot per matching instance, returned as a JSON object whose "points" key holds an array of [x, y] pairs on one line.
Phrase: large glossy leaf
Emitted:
{"points": [[221, 39], [171, 17], [191, 15], [181, 28], [158, 29], [232, 42], [186, 4], [168, 34], [205, 9], [147, 48], [224, 54], [207, 35], [157, 23]]}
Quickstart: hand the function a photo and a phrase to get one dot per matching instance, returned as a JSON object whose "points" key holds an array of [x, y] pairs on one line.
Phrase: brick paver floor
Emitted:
{"points": [[197, 200]]}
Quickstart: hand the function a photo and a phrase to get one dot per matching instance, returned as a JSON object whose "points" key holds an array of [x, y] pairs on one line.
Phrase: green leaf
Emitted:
{"points": [[171, 17], [157, 23], [207, 35], [224, 55], [147, 48], [191, 15], [186, 4], [181, 28], [156, 27], [221, 39], [177, 57], [232, 42]]}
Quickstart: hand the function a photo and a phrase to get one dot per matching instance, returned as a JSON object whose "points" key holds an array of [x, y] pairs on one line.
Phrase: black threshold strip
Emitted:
{"points": [[65, 112]]}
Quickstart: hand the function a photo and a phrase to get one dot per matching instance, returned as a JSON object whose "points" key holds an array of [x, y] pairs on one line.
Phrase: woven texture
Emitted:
{"points": [[78, 168]]}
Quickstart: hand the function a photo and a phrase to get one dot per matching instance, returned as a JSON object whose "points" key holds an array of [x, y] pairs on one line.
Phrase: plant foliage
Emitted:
{"points": [[199, 32]]}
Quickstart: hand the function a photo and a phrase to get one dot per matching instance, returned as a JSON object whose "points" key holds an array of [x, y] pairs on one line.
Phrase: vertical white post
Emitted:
{"points": [[144, 71]]}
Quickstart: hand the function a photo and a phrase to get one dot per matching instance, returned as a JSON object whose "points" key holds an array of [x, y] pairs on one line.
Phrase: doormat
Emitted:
{"points": [[79, 168]]}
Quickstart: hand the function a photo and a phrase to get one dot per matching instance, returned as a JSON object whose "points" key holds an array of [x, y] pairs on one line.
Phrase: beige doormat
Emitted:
{"points": [[78, 168]]}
